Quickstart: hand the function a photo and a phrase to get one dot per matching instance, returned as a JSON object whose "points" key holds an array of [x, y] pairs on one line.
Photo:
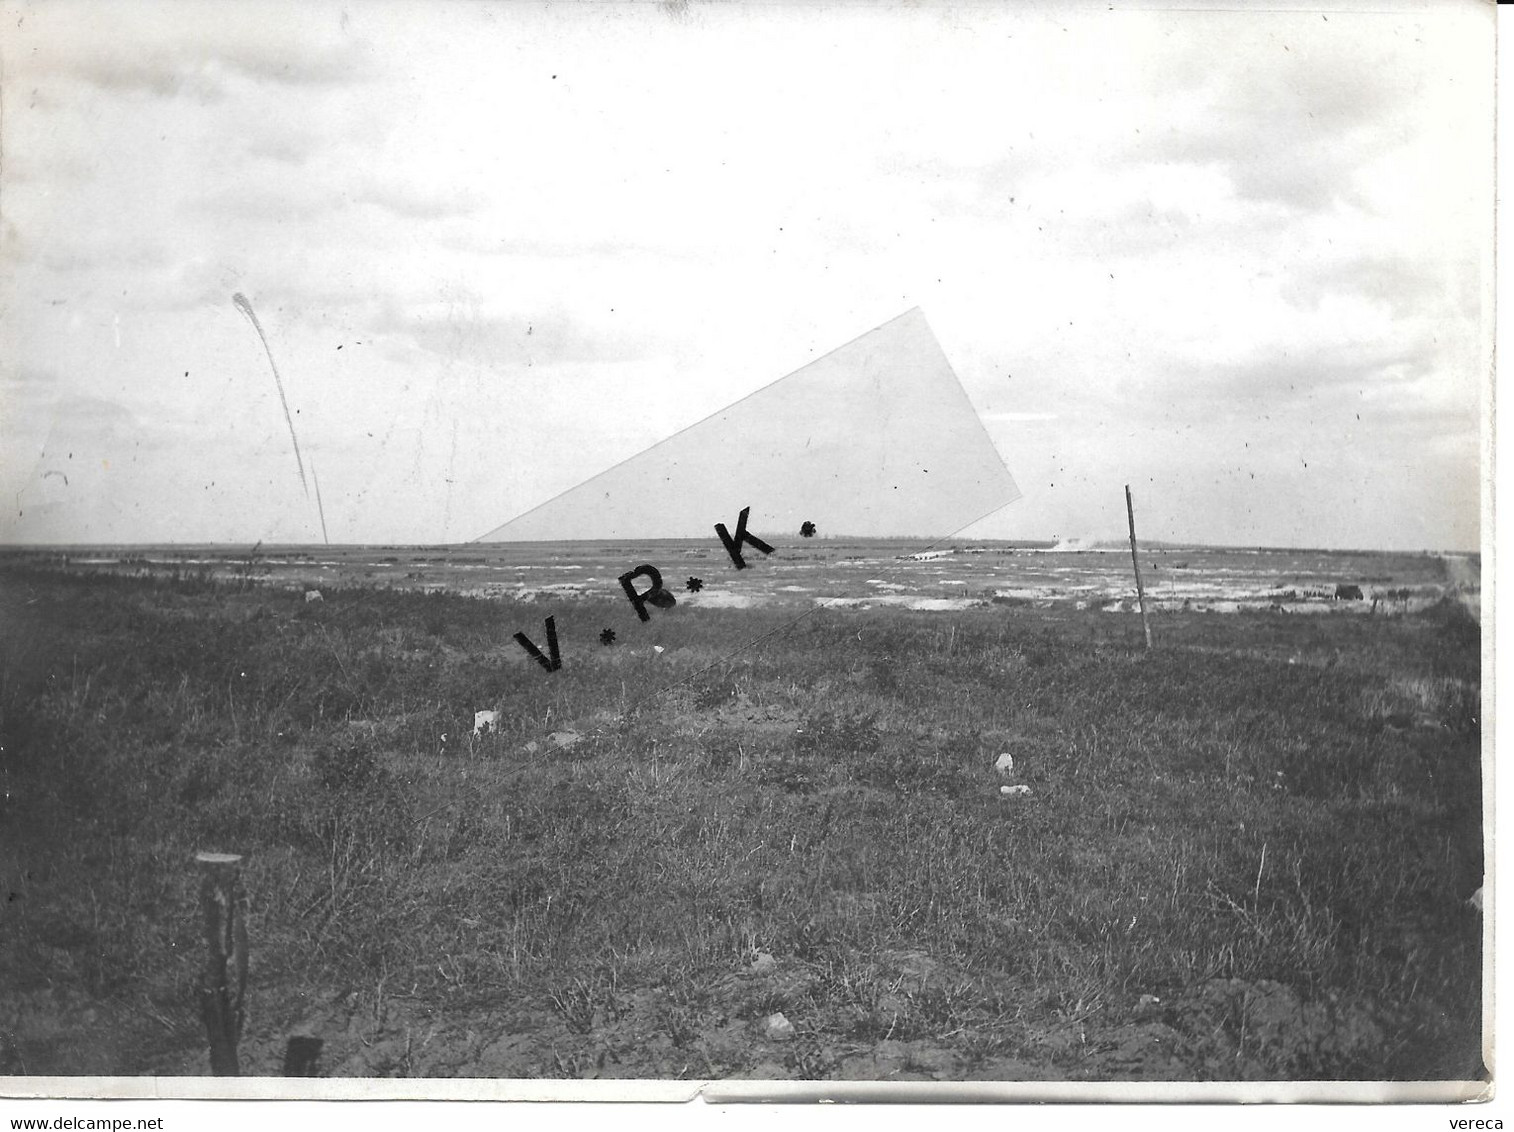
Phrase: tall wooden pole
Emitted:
{"points": [[223, 906], [1136, 562]]}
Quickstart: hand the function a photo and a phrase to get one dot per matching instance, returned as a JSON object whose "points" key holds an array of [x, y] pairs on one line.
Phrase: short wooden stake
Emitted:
{"points": [[223, 904], [302, 1056], [1136, 562]]}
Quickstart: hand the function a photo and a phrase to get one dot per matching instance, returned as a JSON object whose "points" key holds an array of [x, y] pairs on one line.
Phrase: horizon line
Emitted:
{"points": [[1114, 542]]}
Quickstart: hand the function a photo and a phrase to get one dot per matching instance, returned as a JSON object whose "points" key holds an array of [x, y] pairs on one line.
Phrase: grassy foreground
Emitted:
{"points": [[1244, 856]]}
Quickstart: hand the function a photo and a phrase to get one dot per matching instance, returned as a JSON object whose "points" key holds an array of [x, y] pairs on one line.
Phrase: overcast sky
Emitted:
{"points": [[1239, 260]]}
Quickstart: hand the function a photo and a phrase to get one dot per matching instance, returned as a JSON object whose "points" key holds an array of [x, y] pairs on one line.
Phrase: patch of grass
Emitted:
{"points": [[1206, 824]]}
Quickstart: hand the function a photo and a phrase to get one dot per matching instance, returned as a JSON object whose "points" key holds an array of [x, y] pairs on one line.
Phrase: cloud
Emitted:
{"points": [[1406, 285], [198, 55], [303, 64], [1458, 426], [114, 251], [486, 239], [545, 337], [1290, 113], [1172, 229], [72, 427], [324, 195], [1286, 118], [411, 201], [30, 378], [1286, 375], [95, 415], [275, 199], [284, 144]]}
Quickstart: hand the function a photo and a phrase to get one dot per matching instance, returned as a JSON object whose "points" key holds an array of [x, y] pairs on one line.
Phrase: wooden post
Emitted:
{"points": [[1136, 562], [223, 904], [301, 1056]]}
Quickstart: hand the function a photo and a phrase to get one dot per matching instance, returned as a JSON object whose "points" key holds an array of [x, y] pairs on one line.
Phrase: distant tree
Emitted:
{"points": [[695, 585], [807, 530], [607, 637]]}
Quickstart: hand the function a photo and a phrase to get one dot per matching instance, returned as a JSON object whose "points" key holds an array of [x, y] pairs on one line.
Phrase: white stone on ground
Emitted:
{"points": [[777, 1027]]}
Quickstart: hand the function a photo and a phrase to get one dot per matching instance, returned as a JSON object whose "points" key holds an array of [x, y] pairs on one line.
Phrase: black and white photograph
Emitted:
{"points": [[931, 548]]}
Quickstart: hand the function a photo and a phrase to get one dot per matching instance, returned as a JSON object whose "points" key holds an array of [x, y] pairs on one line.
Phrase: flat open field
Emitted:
{"points": [[1244, 855], [842, 573]]}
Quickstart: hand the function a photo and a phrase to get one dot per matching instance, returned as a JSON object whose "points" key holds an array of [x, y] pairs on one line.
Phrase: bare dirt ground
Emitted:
{"points": [[1224, 1029]]}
